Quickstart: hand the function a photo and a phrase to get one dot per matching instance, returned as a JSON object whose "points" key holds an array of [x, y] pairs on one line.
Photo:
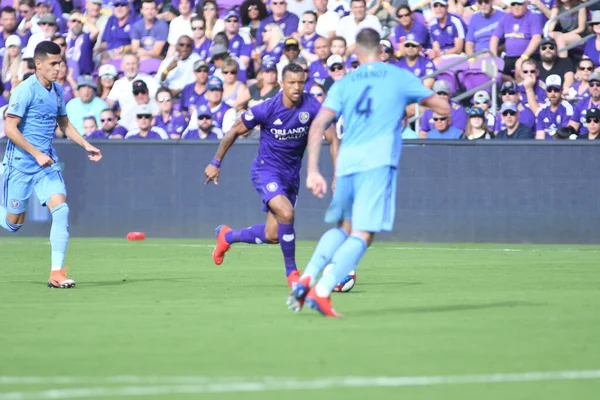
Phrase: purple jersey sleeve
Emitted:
{"points": [[257, 115]]}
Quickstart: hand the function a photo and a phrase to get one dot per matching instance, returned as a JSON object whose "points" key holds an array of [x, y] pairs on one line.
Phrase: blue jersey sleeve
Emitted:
{"points": [[60, 97], [414, 91], [19, 102], [333, 101]]}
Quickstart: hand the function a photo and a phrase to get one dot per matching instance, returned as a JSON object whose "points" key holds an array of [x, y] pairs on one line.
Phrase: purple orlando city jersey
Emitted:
{"points": [[175, 124], [116, 36], [517, 32], [457, 112], [190, 98], [455, 28], [580, 112], [204, 49], [549, 121], [482, 28], [309, 43], [423, 67], [417, 32], [283, 139]]}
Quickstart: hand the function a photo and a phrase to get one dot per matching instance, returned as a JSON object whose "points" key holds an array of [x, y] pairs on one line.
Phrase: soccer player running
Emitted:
{"points": [[285, 120], [371, 100], [30, 162]]}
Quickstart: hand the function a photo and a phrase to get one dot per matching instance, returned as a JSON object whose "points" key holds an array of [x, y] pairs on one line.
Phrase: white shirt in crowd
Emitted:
{"points": [[122, 91], [348, 28], [182, 75], [298, 7], [178, 27]]}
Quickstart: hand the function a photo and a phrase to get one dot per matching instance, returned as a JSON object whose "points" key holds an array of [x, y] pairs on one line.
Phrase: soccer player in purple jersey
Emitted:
{"points": [[285, 120]]}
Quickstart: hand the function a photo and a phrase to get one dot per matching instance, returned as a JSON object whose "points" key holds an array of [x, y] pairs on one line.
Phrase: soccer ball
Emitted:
{"points": [[346, 284]]}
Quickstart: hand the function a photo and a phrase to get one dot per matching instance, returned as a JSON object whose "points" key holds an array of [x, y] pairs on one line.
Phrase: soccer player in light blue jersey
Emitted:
{"points": [[36, 106], [371, 100]]}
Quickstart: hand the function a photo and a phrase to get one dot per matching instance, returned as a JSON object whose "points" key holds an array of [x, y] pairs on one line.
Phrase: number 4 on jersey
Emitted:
{"points": [[363, 107]]}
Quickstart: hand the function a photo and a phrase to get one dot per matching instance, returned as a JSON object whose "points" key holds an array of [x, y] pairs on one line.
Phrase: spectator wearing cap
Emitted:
{"points": [[149, 35], [443, 129], [235, 93], [592, 45], [220, 111], [447, 32], [202, 44], [551, 64], [240, 46], [94, 17], [408, 29], [141, 95], [582, 107], [8, 20], [513, 128], [291, 52], [457, 112], [218, 55], [266, 85], [387, 52], [180, 25], [307, 34], [109, 129], [580, 88], [169, 119], [176, 72], [192, 95], [317, 70], [43, 7], [80, 45], [107, 75], [530, 79], [337, 70], [482, 100], [510, 94], [476, 125], [122, 91], [358, 19], [592, 121], [413, 61], [272, 50], [116, 39], [48, 27], [287, 21], [205, 127], [570, 28], [554, 113], [145, 130], [481, 27], [522, 33], [87, 104], [327, 20], [11, 64]]}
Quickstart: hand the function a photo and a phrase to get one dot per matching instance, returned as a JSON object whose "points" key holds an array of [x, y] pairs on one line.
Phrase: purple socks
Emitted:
{"points": [[287, 241], [253, 235]]}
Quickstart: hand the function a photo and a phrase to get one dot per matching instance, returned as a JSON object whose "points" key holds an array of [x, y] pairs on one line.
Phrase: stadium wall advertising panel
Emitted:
{"points": [[527, 192]]}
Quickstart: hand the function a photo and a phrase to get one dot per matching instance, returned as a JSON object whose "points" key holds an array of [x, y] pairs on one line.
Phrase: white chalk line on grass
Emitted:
{"points": [[401, 248], [198, 385]]}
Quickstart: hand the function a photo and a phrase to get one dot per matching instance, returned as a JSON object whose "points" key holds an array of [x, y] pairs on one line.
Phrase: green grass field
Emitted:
{"points": [[156, 319]]}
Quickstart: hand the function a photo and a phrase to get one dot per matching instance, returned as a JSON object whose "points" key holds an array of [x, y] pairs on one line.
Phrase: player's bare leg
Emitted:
{"points": [[59, 238], [283, 209]]}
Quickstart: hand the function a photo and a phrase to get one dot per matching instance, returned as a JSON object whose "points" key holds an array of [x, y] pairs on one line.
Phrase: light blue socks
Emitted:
{"points": [[326, 248], [345, 259], [7, 225], [59, 235]]}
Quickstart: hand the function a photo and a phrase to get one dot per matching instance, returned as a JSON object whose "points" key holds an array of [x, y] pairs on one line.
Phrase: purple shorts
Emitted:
{"points": [[269, 184]]}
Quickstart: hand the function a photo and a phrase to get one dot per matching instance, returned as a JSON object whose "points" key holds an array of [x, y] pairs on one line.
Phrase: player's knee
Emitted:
{"points": [[286, 215], [271, 236]]}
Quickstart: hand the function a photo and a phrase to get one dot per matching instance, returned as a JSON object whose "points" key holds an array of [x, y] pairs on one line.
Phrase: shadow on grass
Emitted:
{"points": [[388, 283], [447, 308]]}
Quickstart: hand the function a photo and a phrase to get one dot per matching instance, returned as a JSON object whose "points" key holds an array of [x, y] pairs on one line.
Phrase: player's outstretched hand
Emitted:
{"points": [[212, 174], [94, 153], [43, 160], [317, 184]]}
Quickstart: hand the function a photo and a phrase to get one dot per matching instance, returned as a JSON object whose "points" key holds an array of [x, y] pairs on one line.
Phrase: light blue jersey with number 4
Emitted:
{"points": [[372, 100]]}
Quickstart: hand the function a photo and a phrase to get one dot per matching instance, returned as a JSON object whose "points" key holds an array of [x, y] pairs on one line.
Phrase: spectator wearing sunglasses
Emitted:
{"points": [[272, 49], [337, 70], [476, 125], [554, 113], [291, 52], [202, 44], [251, 13], [513, 129], [149, 35], [510, 94], [551, 64], [408, 29], [415, 62], [483, 101], [80, 45], [223, 115], [94, 16], [458, 113], [240, 46], [48, 29], [592, 121], [579, 115], [235, 93], [522, 33], [443, 129], [169, 119], [177, 71], [387, 53], [287, 21], [145, 130], [192, 95], [205, 128], [482, 26], [447, 31], [308, 34], [116, 39], [109, 129], [580, 88], [210, 12], [530, 79], [592, 46]]}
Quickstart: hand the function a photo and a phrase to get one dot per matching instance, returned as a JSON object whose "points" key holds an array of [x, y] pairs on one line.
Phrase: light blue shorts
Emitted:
{"points": [[19, 186], [367, 198]]}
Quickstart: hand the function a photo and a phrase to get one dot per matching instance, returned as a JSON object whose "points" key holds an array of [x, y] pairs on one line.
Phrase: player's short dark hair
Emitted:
{"points": [[27, 75], [292, 68], [368, 39], [45, 48], [8, 10]]}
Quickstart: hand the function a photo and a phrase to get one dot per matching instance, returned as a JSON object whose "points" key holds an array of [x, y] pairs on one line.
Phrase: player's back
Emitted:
{"points": [[38, 109], [372, 100]]}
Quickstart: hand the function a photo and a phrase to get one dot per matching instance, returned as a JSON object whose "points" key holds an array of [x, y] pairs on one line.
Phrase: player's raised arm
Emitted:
{"points": [[12, 132], [213, 169], [315, 180], [69, 130], [437, 105]]}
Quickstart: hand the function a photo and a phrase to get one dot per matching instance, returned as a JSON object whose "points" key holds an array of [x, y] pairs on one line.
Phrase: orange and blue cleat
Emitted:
{"points": [[222, 245], [295, 300], [321, 304], [293, 278], [58, 279]]}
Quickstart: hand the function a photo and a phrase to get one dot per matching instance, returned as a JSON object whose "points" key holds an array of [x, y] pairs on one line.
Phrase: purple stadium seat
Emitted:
{"points": [[472, 78], [150, 66], [450, 77]]}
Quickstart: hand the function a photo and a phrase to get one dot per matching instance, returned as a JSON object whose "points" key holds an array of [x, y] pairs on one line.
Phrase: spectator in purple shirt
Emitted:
{"points": [[149, 35], [554, 113], [318, 69], [510, 94], [415, 62], [579, 89], [201, 43], [522, 34], [168, 119], [287, 21], [251, 13], [272, 49], [26, 13], [8, 20], [582, 107], [206, 128], [387, 52], [89, 125], [481, 27], [530, 76], [542, 8], [447, 32], [457, 112], [192, 95], [408, 26], [219, 109], [308, 35], [108, 127], [240, 46], [144, 129], [80, 45], [116, 39]]}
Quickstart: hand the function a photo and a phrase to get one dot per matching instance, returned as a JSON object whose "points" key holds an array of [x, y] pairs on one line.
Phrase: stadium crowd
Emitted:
{"points": [[175, 69]]}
